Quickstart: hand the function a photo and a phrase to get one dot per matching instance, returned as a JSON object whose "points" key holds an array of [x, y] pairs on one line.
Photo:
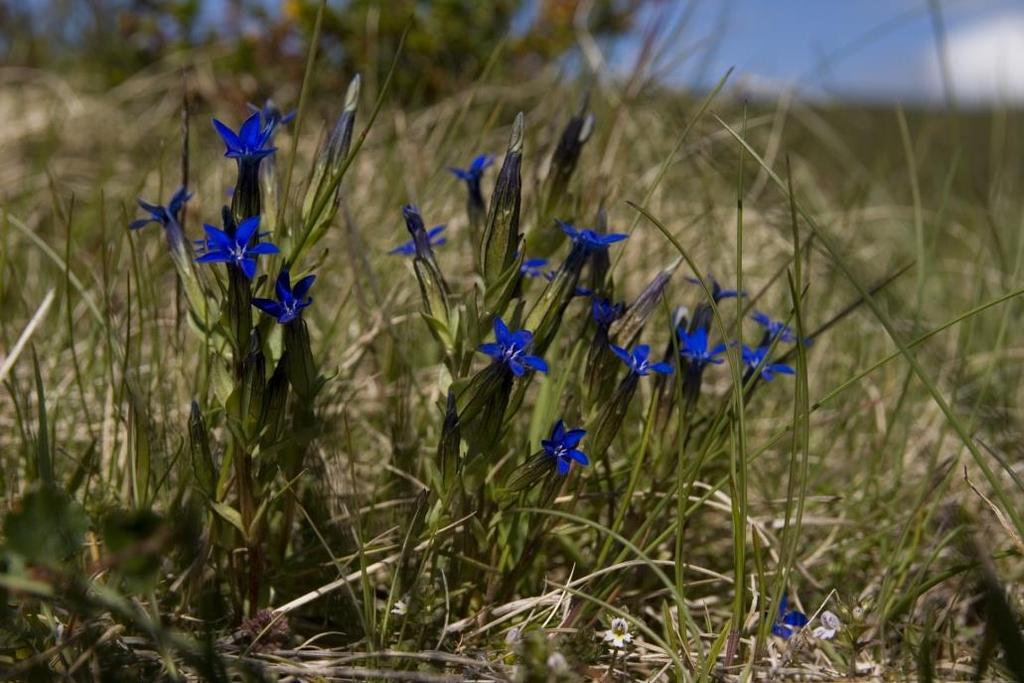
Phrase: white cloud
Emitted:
{"points": [[986, 61]]}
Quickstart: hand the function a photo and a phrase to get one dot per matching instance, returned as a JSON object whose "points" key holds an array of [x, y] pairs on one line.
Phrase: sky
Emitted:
{"points": [[876, 50]]}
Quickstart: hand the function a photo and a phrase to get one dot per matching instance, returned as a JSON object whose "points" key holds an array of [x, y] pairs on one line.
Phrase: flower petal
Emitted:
{"points": [[301, 287], [573, 437], [263, 248], [246, 229], [536, 362], [231, 141]]}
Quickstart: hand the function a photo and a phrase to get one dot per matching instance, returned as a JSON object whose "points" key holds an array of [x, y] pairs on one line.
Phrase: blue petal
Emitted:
{"points": [[231, 141], [516, 367], [536, 362], [662, 368], [140, 223], [248, 267], [567, 228], [623, 354], [795, 618], [501, 332], [558, 432], [614, 237], [573, 437], [563, 467], [269, 307], [263, 248], [579, 456], [491, 349], [302, 287], [283, 286], [215, 256], [217, 238], [434, 231], [249, 133], [246, 229]]}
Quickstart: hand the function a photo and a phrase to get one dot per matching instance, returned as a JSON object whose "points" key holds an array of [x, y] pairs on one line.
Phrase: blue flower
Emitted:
{"points": [[271, 116], [605, 312], [409, 248], [561, 446], [475, 172], [788, 621], [290, 300], [164, 215], [717, 293], [534, 267], [693, 346], [251, 143], [638, 363], [225, 248], [511, 349], [593, 241], [773, 328], [753, 358]]}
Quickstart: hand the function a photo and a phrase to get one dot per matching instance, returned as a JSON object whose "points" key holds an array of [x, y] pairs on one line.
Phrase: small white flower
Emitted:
{"points": [[557, 663], [400, 608], [512, 636], [830, 625], [618, 636]]}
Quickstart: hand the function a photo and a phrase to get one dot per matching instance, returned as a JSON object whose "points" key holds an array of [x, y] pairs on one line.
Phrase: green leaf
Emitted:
{"points": [[47, 526], [126, 533], [230, 515]]}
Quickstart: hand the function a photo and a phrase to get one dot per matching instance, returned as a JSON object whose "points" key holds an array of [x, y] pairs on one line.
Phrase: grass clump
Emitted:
{"points": [[538, 441]]}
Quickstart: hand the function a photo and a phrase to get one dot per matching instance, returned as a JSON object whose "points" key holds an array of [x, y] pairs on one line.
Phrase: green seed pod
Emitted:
{"points": [[500, 242], [254, 380], [433, 288], [482, 403], [300, 366], [448, 447], [546, 315], [246, 200], [323, 192], [203, 468], [555, 196], [609, 419], [626, 330]]}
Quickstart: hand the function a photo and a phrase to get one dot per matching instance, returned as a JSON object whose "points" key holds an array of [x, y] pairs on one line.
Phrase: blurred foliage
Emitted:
{"points": [[448, 45]]}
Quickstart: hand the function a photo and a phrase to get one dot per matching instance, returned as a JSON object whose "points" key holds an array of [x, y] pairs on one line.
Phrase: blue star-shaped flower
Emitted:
{"points": [[561, 446], [605, 312], [788, 621], [752, 358], [534, 267], [717, 293], [638, 361], [251, 143], [475, 172], [774, 328], [225, 248], [593, 241], [409, 248], [290, 300], [693, 346], [164, 215], [271, 116], [511, 349]]}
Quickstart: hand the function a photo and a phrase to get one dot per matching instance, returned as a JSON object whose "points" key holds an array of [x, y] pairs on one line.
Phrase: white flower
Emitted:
{"points": [[400, 608], [618, 636], [557, 663], [512, 636], [830, 625]]}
